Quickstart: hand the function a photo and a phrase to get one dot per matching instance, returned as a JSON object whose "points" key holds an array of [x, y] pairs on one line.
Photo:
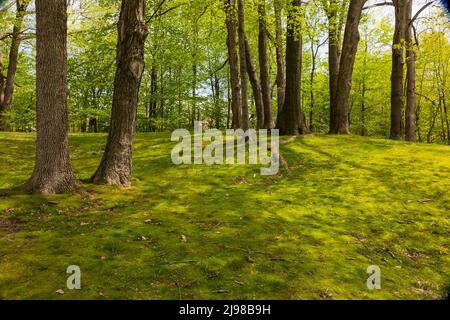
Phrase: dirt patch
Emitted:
{"points": [[10, 225]]}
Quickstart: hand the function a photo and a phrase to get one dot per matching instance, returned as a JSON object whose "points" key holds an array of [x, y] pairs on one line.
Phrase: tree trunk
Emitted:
{"points": [[256, 86], [281, 83], [397, 70], [349, 48], [230, 12], [2, 79], [245, 125], [410, 115], [311, 84], [263, 67], [302, 122], [363, 93], [52, 172], [8, 91], [115, 167], [288, 121], [333, 60]]}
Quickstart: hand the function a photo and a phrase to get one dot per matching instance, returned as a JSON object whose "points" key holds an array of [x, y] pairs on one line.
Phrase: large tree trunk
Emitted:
{"points": [[115, 167], [349, 48], [263, 67], [256, 86], [281, 83], [8, 91], [410, 115], [397, 70], [230, 12], [333, 60], [288, 121], [52, 172], [245, 125]]}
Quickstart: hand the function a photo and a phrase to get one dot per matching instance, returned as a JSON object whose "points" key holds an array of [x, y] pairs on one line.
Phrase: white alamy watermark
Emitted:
{"points": [[236, 142], [74, 280], [374, 280]]}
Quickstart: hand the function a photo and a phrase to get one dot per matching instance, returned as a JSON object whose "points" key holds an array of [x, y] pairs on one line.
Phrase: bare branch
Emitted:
{"points": [[381, 4], [419, 12]]}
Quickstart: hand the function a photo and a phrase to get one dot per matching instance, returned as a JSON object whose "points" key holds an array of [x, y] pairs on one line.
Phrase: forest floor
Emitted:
{"points": [[225, 232]]}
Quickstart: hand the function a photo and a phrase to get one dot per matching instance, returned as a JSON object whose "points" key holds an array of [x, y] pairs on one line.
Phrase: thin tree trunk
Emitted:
{"points": [[2, 79], [410, 115], [245, 125], [311, 86], [6, 103], [288, 122], [52, 172], [228, 98], [302, 122], [263, 67], [397, 70], [281, 82], [230, 11], [116, 165], [256, 86], [363, 93], [349, 49], [333, 60]]}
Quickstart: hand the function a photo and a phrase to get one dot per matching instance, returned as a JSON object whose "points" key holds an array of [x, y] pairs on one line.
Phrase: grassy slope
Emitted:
{"points": [[350, 202]]}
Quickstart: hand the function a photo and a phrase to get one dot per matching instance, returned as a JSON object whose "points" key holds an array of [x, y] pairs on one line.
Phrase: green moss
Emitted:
{"points": [[350, 202]]}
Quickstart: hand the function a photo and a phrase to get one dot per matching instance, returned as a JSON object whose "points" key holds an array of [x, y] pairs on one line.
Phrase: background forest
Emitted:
{"points": [[138, 226], [187, 76]]}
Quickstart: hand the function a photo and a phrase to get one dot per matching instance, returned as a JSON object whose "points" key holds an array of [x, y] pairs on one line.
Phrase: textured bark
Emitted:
{"points": [[302, 122], [333, 60], [288, 122], [256, 86], [263, 67], [281, 82], [230, 11], [410, 114], [245, 122], [397, 75], [116, 165], [349, 48], [52, 172], [8, 91]]}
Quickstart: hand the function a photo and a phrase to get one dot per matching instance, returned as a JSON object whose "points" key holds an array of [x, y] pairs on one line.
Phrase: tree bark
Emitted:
{"points": [[302, 122], [397, 70], [52, 172], [8, 91], [263, 67], [281, 82], [288, 122], [245, 125], [347, 62], [410, 114], [256, 86], [116, 165], [333, 60], [230, 12]]}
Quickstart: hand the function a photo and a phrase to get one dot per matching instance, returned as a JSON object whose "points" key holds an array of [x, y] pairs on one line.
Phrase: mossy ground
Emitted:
{"points": [[225, 232]]}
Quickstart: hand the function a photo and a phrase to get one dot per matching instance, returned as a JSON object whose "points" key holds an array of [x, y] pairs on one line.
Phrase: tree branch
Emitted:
{"points": [[419, 12], [378, 5]]}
